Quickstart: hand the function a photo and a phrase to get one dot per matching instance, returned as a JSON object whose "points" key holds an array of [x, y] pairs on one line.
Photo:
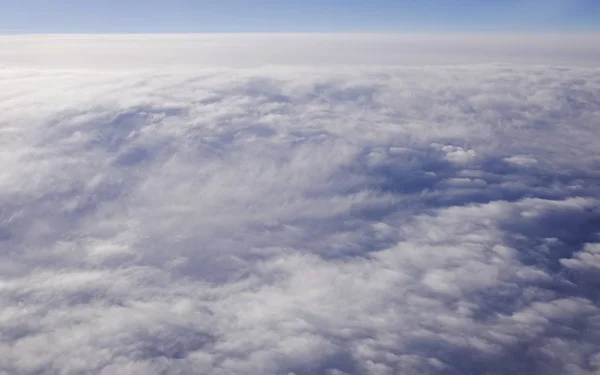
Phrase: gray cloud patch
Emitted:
{"points": [[435, 220]]}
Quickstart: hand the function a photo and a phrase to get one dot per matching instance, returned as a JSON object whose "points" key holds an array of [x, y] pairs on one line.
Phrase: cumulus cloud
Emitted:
{"points": [[361, 220]]}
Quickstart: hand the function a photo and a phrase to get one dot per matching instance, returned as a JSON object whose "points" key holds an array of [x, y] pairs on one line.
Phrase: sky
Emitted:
{"points": [[188, 16]]}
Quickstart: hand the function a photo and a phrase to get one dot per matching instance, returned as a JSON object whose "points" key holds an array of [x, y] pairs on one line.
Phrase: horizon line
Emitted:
{"points": [[423, 33]]}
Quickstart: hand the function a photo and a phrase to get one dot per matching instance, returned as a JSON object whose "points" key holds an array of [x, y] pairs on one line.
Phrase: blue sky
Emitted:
{"points": [[155, 16]]}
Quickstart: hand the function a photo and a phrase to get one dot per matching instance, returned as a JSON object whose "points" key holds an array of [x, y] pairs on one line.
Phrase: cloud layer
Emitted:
{"points": [[181, 51], [431, 220]]}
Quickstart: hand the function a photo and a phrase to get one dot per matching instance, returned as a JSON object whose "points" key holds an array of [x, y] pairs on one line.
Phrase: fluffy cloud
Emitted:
{"points": [[435, 220]]}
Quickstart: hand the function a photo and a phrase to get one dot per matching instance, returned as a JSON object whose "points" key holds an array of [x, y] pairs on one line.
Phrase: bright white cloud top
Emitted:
{"points": [[361, 218]]}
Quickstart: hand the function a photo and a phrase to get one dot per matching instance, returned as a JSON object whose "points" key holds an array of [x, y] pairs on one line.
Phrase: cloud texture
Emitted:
{"points": [[399, 220]]}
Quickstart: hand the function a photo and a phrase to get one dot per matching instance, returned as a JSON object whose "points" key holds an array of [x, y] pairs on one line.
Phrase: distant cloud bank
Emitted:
{"points": [[181, 51]]}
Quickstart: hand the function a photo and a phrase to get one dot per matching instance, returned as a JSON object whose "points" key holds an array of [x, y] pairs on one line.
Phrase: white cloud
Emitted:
{"points": [[588, 258], [523, 160], [455, 154], [357, 220]]}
